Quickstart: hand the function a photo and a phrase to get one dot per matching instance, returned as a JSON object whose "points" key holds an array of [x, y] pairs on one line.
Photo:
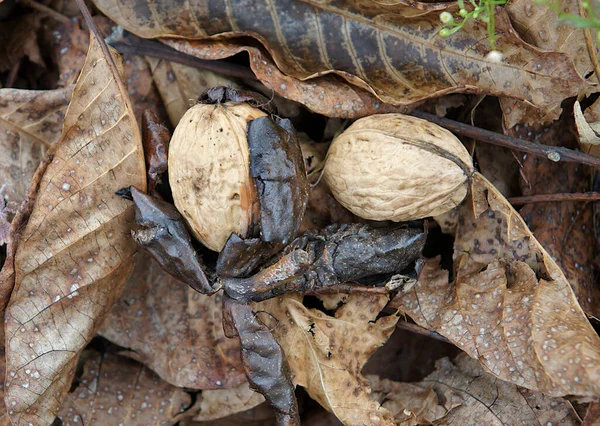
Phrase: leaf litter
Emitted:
{"points": [[500, 298]]}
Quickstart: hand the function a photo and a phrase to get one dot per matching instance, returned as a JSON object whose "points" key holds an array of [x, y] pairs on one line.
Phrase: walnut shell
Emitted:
{"points": [[209, 171], [397, 167]]}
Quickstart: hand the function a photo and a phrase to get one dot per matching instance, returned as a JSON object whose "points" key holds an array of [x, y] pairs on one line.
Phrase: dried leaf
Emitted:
{"points": [[539, 25], [75, 253], [592, 415], [155, 137], [564, 228], [469, 395], [400, 59], [174, 330], [219, 403], [589, 132], [326, 354], [180, 86], [4, 419], [510, 305], [18, 38], [30, 121], [114, 390]]}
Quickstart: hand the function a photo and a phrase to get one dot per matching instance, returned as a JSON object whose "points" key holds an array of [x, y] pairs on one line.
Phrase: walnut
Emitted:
{"points": [[209, 171], [396, 167]]}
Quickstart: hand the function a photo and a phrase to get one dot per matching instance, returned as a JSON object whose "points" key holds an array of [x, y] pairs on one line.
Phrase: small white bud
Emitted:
{"points": [[446, 17], [494, 56]]}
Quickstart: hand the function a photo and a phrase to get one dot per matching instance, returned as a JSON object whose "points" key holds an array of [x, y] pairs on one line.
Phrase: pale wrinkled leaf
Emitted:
{"points": [[174, 330], [326, 354], [461, 392], [180, 86], [510, 306], [30, 121], [589, 133], [118, 391], [401, 59], [75, 252]]}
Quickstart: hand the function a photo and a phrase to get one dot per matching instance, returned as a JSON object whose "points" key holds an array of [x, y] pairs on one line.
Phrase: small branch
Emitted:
{"points": [[130, 43], [550, 152], [546, 198], [46, 10]]}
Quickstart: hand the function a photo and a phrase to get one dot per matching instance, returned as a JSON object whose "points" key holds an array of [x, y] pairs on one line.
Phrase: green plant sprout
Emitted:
{"points": [[483, 10]]}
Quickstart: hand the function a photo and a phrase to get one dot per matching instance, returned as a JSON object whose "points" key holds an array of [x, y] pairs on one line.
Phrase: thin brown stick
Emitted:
{"points": [[46, 11], [550, 152], [12, 75], [547, 198], [130, 43]]}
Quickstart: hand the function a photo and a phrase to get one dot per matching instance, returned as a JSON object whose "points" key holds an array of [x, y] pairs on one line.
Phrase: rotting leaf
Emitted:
{"points": [[75, 252], [30, 121], [460, 391], [563, 228], [510, 305], [401, 59], [115, 390], [263, 360], [219, 403], [180, 85], [173, 330], [326, 354]]}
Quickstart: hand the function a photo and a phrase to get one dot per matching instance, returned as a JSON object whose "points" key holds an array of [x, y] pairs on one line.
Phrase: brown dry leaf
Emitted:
{"points": [[592, 415], [180, 86], [174, 330], [71, 46], [539, 26], [4, 419], [261, 415], [400, 59], [460, 392], [564, 229], [510, 305], [326, 354], [30, 121], [75, 252], [219, 403], [118, 391]]}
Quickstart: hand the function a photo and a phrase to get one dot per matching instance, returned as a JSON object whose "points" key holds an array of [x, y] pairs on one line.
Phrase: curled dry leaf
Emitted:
{"points": [[219, 403], [408, 60], [459, 391], [174, 330], [75, 253], [326, 354], [30, 121], [510, 306], [115, 390], [18, 38], [180, 86]]}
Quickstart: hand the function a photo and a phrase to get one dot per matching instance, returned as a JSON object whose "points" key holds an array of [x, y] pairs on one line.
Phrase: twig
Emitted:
{"points": [[12, 75], [46, 10], [545, 198], [130, 43], [550, 152], [414, 328]]}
